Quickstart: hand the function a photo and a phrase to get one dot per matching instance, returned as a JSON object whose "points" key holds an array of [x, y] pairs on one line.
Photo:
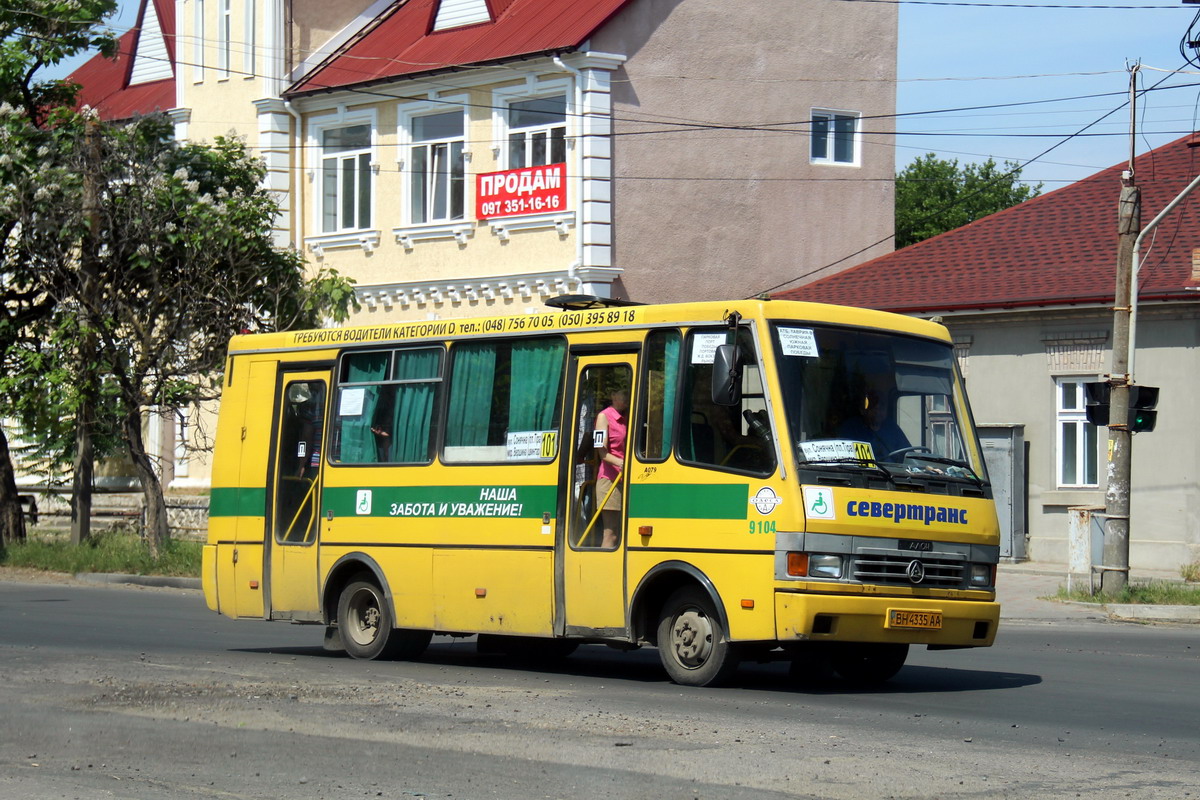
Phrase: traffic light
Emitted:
{"points": [[1142, 402], [1142, 414], [1097, 402]]}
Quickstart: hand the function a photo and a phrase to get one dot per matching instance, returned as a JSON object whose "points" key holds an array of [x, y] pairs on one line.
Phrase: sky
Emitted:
{"points": [[993, 52], [1039, 53]]}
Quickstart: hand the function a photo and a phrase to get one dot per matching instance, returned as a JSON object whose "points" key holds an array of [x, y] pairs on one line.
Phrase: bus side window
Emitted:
{"points": [[386, 406], [504, 401], [660, 395], [725, 437]]}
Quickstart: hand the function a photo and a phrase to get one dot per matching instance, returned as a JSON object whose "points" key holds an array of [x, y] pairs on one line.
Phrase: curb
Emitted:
{"points": [[161, 581], [1147, 613]]}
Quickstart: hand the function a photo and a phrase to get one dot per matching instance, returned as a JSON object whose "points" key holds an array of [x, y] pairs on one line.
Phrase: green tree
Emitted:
{"points": [[34, 34], [176, 254], [935, 195], [128, 260]]}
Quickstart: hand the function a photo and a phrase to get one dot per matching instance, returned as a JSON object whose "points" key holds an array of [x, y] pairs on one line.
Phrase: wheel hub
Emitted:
{"points": [[691, 638], [364, 621]]}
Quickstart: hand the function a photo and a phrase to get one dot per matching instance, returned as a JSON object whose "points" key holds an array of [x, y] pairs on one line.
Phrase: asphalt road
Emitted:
{"points": [[143, 693]]}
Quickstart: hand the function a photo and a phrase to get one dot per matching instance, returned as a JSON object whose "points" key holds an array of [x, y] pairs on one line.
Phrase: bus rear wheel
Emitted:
{"points": [[692, 644], [865, 664], [365, 625]]}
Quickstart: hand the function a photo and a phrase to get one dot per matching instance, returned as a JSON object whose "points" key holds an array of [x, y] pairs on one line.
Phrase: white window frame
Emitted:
{"points": [[831, 116], [250, 53], [224, 37], [317, 131], [408, 114], [531, 131], [531, 90], [198, 43], [1072, 415]]}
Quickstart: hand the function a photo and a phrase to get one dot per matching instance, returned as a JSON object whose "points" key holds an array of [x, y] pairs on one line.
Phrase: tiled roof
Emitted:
{"points": [[402, 41], [1057, 249], [105, 83]]}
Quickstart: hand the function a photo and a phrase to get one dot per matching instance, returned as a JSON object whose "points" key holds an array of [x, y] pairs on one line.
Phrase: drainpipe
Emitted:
{"points": [[297, 177], [1133, 278], [573, 268]]}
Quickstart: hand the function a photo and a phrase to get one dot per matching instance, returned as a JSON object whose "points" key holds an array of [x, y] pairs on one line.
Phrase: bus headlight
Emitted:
{"points": [[981, 574], [825, 566], [810, 565]]}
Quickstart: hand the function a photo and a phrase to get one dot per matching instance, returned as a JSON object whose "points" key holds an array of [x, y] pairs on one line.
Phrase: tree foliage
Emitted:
{"points": [[35, 34], [935, 195], [128, 259]]}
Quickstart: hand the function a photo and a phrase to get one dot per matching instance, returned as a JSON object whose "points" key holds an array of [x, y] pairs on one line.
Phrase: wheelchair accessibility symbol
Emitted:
{"points": [[818, 502]]}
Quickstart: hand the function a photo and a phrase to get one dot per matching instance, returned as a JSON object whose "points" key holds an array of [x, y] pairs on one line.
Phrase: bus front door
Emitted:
{"points": [[294, 521], [593, 558]]}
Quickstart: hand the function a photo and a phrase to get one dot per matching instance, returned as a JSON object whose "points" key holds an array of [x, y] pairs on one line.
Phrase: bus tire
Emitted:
{"points": [[365, 626], [864, 664], [692, 644]]}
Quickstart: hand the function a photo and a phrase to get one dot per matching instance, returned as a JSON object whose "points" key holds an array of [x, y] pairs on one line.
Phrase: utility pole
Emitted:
{"points": [[1115, 574]]}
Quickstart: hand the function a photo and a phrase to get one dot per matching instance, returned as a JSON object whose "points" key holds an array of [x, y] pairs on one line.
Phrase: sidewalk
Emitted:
{"points": [[1020, 588]]}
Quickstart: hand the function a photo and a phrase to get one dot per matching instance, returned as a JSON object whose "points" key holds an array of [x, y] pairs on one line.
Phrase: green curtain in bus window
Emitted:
{"points": [[536, 379], [357, 441], [414, 405], [670, 388], [471, 395]]}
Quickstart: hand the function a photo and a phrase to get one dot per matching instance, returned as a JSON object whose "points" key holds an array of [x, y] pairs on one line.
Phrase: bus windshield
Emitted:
{"points": [[864, 401]]}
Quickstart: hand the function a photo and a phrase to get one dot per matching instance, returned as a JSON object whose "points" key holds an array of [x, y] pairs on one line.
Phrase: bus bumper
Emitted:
{"points": [[902, 620]]}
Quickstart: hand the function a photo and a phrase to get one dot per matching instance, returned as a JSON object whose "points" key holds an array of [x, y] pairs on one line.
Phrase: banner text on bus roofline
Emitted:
{"points": [[439, 329]]}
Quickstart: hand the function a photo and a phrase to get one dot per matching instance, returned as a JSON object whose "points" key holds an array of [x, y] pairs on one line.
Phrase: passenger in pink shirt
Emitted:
{"points": [[611, 426]]}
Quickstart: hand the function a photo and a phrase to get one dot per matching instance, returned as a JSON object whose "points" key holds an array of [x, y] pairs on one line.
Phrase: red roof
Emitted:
{"points": [[402, 41], [104, 81], [1057, 249]]}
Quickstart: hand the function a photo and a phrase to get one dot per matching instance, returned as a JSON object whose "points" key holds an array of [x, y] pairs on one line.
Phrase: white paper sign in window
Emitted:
{"points": [[836, 450], [351, 404], [798, 342], [704, 347], [529, 445]]}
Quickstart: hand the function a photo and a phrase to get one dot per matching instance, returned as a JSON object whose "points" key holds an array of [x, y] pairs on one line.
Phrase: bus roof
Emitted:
{"points": [[614, 318]]}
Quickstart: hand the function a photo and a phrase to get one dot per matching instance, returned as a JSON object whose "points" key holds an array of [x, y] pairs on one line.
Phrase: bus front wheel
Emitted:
{"points": [[692, 643], [365, 626]]}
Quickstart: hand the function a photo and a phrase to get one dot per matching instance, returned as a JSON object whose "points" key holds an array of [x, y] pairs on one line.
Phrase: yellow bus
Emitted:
{"points": [[785, 480]]}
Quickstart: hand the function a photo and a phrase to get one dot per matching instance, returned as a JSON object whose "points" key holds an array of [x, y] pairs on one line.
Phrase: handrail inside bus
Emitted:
{"points": [[312, 485], [616, 482]]}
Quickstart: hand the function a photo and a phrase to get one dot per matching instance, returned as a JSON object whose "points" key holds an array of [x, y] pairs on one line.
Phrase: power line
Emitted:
{"points": [[962, 199], [962, 4]]}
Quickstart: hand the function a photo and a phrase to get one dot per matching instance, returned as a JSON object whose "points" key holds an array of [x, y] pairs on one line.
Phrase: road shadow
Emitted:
{"points": [[642, 666]]}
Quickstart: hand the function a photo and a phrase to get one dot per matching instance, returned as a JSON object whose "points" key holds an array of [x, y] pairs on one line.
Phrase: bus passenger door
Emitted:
{"points": [[295, 495], [592, 583]]}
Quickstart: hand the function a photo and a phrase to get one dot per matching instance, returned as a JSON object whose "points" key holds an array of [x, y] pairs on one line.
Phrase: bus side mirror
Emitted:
{"points": [[727, 375]]}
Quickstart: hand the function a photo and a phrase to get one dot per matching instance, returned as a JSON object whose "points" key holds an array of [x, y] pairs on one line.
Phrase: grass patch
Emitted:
{"points": [[106, 551], [1159, 593]]}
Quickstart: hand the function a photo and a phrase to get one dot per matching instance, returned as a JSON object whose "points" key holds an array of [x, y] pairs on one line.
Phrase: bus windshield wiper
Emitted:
{"points": [[953, 462], [851, 464]]}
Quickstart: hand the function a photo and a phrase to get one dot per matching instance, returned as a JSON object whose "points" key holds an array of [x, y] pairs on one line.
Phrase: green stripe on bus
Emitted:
{"points": [[689, 500], [514, 502], [237, 502]]}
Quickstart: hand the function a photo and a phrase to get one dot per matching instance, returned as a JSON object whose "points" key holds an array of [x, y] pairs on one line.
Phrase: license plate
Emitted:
{"points": [[904, 618]]}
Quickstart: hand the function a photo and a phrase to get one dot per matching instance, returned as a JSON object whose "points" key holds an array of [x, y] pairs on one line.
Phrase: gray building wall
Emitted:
{"points": [[769, 215], [1011, 364]]}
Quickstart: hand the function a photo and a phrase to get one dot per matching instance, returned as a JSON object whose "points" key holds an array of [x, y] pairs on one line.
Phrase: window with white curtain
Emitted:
{"points": [[437, 188], [1076, 459], [345, 194]]}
